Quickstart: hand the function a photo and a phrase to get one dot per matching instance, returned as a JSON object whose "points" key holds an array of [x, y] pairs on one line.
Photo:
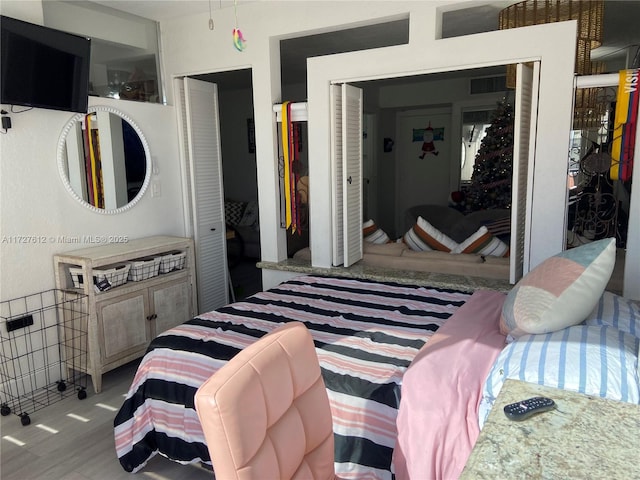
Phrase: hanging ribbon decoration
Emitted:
{"points": [[238, 40], [96, 170], [624, 130], [291, 176], [295, 176], [88, 158], [286, 109]]}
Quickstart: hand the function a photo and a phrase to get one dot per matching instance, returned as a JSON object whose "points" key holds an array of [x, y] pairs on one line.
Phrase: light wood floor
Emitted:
{"points": [[57, 446]]}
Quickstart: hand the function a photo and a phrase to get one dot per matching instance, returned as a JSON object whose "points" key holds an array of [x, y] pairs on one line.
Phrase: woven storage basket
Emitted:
{"points": [[172, 261], [116, 275], [144, 268]]}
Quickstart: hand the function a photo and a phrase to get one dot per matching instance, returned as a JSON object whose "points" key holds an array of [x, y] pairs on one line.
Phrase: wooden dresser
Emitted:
{"points": [[124, 319]]}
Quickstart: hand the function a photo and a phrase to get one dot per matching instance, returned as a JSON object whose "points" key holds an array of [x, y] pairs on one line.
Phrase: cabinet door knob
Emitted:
{"points": [[213, 229]]}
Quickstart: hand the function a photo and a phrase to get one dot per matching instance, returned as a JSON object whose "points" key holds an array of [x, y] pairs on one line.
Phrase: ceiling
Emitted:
{"points": [[620, 31]]}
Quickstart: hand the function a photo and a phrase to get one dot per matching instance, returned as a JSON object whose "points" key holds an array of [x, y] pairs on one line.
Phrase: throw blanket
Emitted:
{"points": [[435, 437], [366, 335]]}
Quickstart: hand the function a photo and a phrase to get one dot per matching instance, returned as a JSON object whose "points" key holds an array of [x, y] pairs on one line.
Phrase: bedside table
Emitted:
{"points": [[584, 437]]}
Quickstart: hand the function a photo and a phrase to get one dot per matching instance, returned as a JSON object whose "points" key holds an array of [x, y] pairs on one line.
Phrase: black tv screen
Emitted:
{"points": [[43, 67]]}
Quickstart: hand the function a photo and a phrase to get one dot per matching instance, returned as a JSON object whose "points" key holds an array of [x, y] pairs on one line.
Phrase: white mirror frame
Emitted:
{"points": [[62, 163]]}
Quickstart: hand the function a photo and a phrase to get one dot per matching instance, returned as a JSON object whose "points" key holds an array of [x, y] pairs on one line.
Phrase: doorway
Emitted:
{"points": [[240, 184], [239, 188]]}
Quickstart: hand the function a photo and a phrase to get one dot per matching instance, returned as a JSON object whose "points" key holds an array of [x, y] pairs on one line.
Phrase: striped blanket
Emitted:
{"points": [[366, 335]]}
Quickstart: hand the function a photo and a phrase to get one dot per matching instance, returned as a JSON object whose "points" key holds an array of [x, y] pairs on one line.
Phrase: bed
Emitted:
{"points": [[411, 371], [557, 327], [366, 334]]}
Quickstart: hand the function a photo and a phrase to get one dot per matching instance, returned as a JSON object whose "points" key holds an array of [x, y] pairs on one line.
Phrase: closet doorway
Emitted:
{"points": [[229, 197]]}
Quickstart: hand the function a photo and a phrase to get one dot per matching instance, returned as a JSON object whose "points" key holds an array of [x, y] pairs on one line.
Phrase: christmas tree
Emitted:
{"points": [[492, 171]]}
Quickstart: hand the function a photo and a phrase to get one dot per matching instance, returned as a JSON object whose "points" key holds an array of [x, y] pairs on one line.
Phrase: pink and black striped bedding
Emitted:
{"points": [[366, 334]]}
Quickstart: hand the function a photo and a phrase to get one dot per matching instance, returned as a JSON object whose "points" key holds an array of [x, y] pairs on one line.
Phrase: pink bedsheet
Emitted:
{"points": [[438, 416]]}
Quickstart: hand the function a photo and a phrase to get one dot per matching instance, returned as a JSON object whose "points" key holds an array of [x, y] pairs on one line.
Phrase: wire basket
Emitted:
{"points": [[115, 275], [43, 351], [144, 268], [172, 261]]}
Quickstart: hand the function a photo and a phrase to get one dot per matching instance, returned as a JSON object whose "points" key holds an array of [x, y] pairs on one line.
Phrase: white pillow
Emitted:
{"points": [[423, 237], [373, 234], [594, 360], [617, 312], [482, 242]]}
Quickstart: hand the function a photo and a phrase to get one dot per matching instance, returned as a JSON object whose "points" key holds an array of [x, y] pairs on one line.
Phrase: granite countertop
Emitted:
{"points": [[585, 437], [436, 280]]}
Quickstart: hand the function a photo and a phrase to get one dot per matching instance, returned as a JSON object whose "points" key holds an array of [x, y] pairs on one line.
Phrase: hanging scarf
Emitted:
{"points": [[286, 112], [624, 130], [291, 174], [95, 185]]}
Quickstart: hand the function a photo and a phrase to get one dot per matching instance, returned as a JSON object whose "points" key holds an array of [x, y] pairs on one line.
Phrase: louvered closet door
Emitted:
{"points": [[183, 141], [524, 147], [352, 173], [207, 196], [336, 175]]}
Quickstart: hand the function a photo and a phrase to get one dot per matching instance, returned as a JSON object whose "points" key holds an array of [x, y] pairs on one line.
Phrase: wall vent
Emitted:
{"points": [[488, 84]]}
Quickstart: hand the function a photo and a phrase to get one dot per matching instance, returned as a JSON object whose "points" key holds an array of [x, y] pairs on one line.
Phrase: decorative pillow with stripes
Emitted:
{"points": [[499, 227], [483, 243], [594, 360], [618, 312], [373, 234], [423, 236], [559, 292]]}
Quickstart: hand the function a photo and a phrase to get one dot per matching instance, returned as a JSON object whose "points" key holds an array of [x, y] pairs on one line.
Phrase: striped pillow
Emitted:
{"points": [[483, 243], [561, 291], [499, 227], [599, 361], [423, 237], [618, 312], [373, 234]]}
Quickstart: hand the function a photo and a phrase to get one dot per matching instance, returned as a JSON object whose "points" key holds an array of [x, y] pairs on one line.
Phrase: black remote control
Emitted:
{"points": [[522, 410]]}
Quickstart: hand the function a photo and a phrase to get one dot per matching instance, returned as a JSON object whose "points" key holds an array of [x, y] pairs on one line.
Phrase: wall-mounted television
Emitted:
{"points": [[43, 67]]}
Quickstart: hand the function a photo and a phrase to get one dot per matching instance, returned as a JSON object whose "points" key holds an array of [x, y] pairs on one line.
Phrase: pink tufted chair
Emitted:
{"points": [[266, 414]]}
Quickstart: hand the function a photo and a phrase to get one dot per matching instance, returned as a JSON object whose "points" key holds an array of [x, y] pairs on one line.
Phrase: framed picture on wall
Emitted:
{"points": [[251, 135]]}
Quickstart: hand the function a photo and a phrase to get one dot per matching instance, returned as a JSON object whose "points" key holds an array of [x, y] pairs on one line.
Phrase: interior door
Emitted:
{"points": [[336, 174], [204, 160], [352, 173], [524, 147]]}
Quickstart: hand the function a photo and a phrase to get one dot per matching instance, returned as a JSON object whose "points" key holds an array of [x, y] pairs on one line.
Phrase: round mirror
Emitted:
{"points": [[104, 160]]}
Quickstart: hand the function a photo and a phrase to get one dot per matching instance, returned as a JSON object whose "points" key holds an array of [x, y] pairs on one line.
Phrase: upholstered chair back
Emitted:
{"points": [[266, 413]]}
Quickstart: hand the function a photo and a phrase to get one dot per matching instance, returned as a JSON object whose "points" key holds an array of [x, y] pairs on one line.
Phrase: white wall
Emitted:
{"points": [[553, 44], [28, 11], [36, 210], [189, 47], [263, 23]]}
